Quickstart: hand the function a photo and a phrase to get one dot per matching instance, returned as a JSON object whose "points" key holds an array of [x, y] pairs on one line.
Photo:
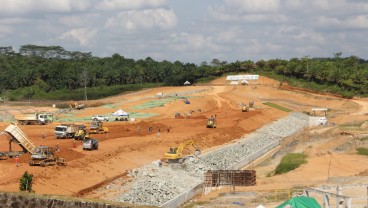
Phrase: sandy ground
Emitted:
{"points": [[124, 148]]}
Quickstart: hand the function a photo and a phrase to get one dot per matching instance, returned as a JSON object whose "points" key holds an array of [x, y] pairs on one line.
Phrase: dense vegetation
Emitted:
{"points": [[290, 162], [38, 71]]}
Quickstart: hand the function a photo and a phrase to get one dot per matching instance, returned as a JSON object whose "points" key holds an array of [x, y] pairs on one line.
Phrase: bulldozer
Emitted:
{"points": [[211, 123], [177, 154], [98, 128], [44, 156]]}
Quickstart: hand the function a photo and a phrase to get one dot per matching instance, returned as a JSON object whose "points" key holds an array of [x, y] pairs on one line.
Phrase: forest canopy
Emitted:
{"points": [[43, 69]]}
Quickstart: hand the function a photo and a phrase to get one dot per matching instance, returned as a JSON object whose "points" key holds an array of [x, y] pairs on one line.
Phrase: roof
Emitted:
{"points": [[300, 202]]}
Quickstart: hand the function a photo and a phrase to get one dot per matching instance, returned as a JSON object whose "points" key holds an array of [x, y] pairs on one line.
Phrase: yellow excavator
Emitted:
{"points": [[179, 154], [245, 108]]}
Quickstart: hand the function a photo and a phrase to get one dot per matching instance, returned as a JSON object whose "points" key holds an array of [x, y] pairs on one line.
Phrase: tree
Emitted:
{"points": [[84, 80], [25, 182]]}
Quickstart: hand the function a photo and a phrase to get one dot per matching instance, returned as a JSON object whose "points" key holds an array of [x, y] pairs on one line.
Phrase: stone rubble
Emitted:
{"points": [[155, 185]]}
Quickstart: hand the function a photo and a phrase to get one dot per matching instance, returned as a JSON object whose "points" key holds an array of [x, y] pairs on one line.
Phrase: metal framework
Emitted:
{"points": [[215, 178]]}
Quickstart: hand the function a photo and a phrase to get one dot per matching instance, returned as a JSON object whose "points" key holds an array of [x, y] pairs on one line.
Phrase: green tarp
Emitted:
{"points": [[301, 202]]}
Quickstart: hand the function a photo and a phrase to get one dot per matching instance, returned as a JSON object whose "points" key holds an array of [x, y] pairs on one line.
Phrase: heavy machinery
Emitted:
{"points": [[245, 108], [66, 131], [44, 156], [211, 123], [32, 118], [81, 133], [75, 105], [179, 154], [98, 128]]}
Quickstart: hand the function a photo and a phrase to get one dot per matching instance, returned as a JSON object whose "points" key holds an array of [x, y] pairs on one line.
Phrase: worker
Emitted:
{"points": [[74, 144], [17, 161], [158, 133], [57, 147], [43, 136]]}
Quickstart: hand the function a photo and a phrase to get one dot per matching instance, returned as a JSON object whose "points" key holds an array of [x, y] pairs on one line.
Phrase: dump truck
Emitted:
{"points": [[32, 118], [90, 144], [44, 156], [98, 128], [66, 131], [180, 153], [211, 123], [19, 137]]}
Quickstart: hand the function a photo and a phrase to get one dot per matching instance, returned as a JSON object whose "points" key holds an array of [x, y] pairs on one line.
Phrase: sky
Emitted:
{"points": [[191, 31]]}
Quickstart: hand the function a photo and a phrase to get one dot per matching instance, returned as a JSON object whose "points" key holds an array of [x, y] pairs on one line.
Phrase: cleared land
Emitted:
{"points": [[125, 148]]}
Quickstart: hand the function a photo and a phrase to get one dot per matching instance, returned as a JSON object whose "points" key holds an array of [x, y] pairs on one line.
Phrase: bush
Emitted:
{"points": [[26, 182], [362, 151], [290, 162]]}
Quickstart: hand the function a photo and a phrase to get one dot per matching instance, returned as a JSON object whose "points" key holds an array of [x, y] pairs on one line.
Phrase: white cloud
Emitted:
{"points": [[83, 35], [254, 6], [353, 22], [128, 4], [143, 19], [79, 20], [15, 7]]}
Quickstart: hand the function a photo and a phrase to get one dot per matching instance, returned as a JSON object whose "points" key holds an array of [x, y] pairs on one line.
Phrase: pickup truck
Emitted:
{"points": [[100, 118]]}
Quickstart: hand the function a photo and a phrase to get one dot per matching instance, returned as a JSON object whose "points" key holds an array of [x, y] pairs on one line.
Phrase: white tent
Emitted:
{"points": [[120, 113], [186, 83]]}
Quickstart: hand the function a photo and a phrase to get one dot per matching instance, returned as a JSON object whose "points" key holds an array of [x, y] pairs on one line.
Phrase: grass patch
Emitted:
{"points": [[273, 105], [362, 151], [290, 162], [363, 138]]}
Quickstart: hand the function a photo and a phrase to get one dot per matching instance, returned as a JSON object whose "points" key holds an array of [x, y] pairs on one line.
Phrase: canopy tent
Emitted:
{"points": [[120, 113], [300, 202], [186, 83]]}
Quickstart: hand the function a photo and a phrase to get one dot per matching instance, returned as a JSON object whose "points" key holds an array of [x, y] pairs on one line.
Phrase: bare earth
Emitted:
{"points": [[124, 148]]}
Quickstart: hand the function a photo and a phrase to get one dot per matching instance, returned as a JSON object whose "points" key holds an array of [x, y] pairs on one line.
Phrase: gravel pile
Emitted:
{"points": [[156, 185]]}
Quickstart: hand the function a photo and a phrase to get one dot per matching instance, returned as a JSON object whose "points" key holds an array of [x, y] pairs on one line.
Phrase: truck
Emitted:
{"points": [[66, 131], [32, 118]]}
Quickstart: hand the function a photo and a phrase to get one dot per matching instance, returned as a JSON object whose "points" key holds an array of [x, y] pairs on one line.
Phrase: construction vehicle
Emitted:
{"points": [[251, 104], [81, 133], [44, 156], [179, 154], [90, 144], [211, 123], [245, 108], [18, 136], [74, 105], [98, 128], [32, 118], [66, 131]]}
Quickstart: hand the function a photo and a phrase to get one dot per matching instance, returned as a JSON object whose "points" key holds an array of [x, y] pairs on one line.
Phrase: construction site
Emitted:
{"points": [[210, 145]]}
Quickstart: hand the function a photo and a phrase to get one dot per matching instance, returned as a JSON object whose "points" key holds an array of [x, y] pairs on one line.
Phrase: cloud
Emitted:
{"points": [[5, 30], [353, 22], [83, 35], [21, 7], [142, 19], [254, 6], [128, 4]]}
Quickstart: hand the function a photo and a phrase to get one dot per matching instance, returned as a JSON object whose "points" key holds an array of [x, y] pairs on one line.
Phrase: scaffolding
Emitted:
{"points": [[232, 178]]}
